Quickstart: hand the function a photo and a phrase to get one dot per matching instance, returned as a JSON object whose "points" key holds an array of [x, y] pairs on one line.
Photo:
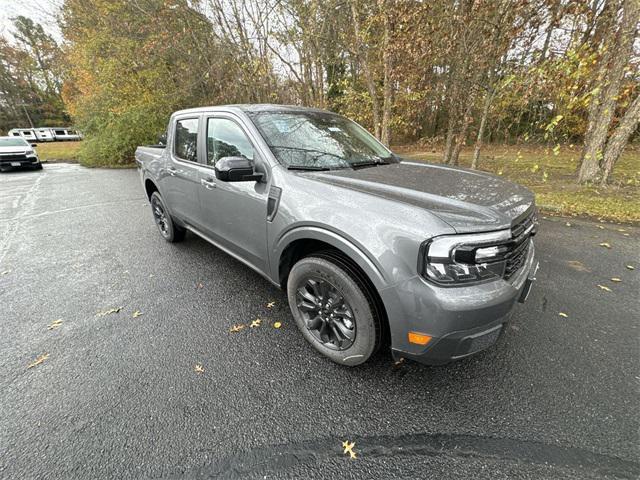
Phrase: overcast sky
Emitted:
{"points": [[41, 11]]}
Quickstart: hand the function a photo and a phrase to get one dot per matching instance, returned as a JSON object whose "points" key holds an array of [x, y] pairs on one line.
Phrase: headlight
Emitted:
{"points": [[464, 259], [30, 153]]}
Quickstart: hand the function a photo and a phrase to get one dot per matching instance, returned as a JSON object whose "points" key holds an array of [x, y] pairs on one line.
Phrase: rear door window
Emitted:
{"points": [[186, 139]]}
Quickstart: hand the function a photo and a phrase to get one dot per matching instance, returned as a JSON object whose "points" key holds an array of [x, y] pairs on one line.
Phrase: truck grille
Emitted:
{"points": [[13, 157], [521, 232], [516, 259]]}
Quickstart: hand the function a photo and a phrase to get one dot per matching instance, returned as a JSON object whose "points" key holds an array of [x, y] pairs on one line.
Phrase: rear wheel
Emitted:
{"points": [[333, 310], [167, 227]]}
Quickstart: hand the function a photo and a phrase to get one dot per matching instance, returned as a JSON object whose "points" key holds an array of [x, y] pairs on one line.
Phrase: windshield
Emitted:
{"points": [[318, 140], [13, 142]]}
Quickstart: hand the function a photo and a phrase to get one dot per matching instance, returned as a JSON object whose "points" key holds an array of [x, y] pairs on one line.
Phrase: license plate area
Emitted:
{"points": [[15, 164]]}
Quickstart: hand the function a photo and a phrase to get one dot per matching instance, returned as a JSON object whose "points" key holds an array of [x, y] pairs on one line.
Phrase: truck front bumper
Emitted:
{"points": [[461, 321]]}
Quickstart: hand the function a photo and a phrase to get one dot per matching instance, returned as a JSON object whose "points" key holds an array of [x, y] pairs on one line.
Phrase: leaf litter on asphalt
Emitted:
{"points": [[5, 272], [277, 325], [237, 328], [256, 323], [616, 279], [271, 304], [136, 314], [605, 245], [564, 315], [198, 368], [602, 287], [38, 360]]}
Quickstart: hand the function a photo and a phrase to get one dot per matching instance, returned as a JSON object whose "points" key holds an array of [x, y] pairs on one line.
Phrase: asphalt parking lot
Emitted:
{"points": [[119, 396]]}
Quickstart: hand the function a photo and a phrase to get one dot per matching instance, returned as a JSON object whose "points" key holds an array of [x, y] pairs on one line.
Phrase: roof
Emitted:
{"points": [[255, 108]]}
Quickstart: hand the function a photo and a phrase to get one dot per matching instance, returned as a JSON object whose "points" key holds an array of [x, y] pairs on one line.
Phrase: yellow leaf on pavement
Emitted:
{"points": [[606, 289], [348, 448], [108, 312], [616, 279], [38, 360], [236, 328], [198, 369], [54, 324], [271, 304], [255, 323], [136, 314], [631, 267], [605, 244], [562, 314], [277, 325], [5, 272]]}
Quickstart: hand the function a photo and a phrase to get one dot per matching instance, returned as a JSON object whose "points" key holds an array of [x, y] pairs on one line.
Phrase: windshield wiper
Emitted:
{"points": [[308, 167], [369, 164]]}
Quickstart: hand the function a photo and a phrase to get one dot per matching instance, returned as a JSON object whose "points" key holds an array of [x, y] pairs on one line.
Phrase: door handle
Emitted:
{"points": [[208, 184], [172, 171]]}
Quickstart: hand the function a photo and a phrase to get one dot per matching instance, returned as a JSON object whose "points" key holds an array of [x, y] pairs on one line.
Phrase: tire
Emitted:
{"points": [[38, 166], [166, 226], [323, 277]]}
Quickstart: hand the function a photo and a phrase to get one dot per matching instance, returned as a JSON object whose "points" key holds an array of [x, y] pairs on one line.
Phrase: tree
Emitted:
{"points": [[616, 51]]}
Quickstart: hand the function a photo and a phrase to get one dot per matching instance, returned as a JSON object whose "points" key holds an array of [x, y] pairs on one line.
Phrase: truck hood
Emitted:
{"points": [[6, 150], [468, 200]]}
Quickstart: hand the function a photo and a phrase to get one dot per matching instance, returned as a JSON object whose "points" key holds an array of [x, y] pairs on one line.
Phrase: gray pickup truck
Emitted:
{"points": [[371, 249]]}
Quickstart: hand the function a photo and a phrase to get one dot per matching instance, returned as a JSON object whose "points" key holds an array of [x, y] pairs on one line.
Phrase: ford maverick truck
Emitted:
{"points": [[371, 249]]}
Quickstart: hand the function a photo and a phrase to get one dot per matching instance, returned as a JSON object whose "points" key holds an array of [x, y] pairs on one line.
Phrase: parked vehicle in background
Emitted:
{"points": [[65, 134], [27, 133], [366, 245], [17, 152], [46, 134]]}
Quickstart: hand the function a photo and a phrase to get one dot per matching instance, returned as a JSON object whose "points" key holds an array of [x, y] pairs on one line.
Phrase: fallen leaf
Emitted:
{"points": [[277, 325], [616, 279], [255, 323], [578, 266], [236, 328], [271, 304], [55, 324], [568, 224], [199, 285], [562, 314], [605, 244], [600, 227], [621, 230], [625, 234], [198, 369], [108, 312], [630, 267], [348, 448], [5, 272], [136, 314], [399, 362], [38, 360], [606, 289]]}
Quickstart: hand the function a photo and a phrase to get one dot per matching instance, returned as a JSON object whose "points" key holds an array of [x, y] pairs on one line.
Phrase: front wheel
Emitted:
{"points": [[167, 227], [333, 310]]}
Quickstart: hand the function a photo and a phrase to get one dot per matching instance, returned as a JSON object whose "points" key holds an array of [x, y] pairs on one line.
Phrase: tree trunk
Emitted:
{"points": [[385, 129], [483, 122], [601, 114], [363, 59], [620, 137], [462, 134]]}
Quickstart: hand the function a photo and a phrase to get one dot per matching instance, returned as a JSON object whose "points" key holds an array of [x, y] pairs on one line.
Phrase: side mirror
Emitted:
{"points": [[162, 139], [34, 145], [236, 169]]}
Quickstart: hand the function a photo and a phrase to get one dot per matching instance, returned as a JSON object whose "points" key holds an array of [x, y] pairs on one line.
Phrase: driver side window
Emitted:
{"points": [[225, 138]]}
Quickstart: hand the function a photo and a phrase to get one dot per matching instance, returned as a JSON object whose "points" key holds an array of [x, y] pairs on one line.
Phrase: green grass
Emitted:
{"points": [[58, 151], [552, 176]]}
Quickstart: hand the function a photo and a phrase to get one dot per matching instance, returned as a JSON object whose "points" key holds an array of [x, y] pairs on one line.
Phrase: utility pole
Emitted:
{"points": [[24, 107]]}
